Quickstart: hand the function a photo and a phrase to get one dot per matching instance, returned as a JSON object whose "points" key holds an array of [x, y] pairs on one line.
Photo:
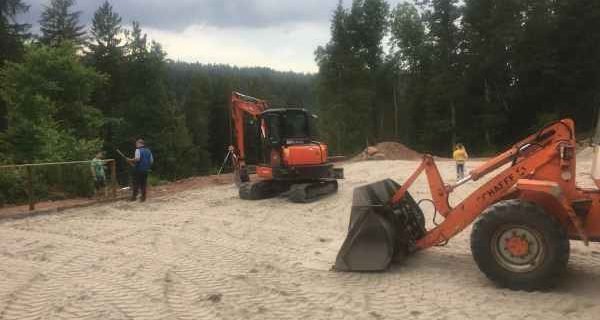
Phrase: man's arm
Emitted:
{"points": [[135, 159]]}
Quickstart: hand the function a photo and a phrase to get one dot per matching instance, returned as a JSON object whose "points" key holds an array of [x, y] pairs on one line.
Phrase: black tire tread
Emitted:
{"points": [[518, 211]]}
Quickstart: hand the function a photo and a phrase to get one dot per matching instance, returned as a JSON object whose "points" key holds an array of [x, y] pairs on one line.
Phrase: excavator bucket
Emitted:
{"points": [[379, 233]]}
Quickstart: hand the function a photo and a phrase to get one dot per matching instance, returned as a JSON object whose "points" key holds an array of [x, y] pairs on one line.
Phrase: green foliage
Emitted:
{"points": [[409, 39], [59, 24], [12, 187], [49, 183], [105, 32], [197, 114], [146, 109], [12, 35], [137, 42], [367, 24], [106, 54], [64, 106], [48, 97], [349, 65], [71, 180], [203, 92], [154, 180], [482, 72]]}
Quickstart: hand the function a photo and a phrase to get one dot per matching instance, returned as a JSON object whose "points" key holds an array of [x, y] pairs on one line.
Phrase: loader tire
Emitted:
{"points": [[519, 246]]}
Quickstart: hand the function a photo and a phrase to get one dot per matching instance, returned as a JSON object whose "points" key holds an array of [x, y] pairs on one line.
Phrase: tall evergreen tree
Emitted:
{"points": [[12, 35], [106, 32], [367, 26], [106, 54], [408, 38], [48, 96], [535, 65], [443, 105], [344, 95], [148, 110], [137, 45], [197, 114], [577, 39], [411, 63], [58, 24], [348, 70], [491, 30]]}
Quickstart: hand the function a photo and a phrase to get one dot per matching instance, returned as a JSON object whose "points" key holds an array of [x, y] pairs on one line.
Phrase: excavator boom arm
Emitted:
{"points": [[242, 104]]}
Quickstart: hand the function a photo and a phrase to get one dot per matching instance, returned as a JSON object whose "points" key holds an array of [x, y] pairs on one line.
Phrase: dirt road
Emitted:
{"points": [[205, 254]]}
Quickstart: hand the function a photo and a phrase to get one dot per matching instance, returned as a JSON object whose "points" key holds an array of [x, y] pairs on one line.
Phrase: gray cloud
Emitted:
{"points": [[281, 34], [176, 15]]}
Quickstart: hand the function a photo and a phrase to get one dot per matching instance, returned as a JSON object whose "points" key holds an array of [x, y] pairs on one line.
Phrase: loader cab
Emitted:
{"points": [[283, 127]]}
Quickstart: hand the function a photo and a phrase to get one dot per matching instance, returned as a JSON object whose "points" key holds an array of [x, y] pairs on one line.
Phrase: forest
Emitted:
{"points": [[428, 73], [431, 73], [67, 93]]}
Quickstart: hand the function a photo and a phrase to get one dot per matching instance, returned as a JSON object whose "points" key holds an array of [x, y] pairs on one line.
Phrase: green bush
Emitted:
{"points": [[49, 183], [154, 180], [13, 188]]}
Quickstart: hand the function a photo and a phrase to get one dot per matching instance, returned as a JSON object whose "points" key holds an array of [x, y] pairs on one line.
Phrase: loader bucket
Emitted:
{"points": [[379, 233]]}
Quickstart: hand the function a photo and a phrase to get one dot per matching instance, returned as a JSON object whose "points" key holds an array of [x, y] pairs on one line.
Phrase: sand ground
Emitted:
{"points": [[205, 254]]}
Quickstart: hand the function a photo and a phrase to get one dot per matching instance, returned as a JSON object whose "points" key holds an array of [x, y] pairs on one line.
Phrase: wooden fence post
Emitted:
{"points": [[113, 177], [30, 188]]}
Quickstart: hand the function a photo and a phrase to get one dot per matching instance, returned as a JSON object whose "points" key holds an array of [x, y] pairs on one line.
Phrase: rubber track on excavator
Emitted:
{"points": [[308, 192], [257, 190]]}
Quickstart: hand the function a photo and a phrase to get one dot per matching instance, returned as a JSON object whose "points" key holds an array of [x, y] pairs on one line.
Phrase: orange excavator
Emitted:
{"points": [[525, 214], [291, 162]]}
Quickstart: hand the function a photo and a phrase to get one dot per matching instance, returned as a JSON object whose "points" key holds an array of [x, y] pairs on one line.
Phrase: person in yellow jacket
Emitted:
{"points": [[461, 156]]}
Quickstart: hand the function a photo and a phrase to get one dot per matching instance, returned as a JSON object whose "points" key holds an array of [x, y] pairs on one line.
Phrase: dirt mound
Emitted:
{"points": [[397, 151], [388, 151]]}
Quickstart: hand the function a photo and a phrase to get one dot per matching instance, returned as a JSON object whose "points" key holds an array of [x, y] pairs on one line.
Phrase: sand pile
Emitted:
{"points": [[388, 151], [206, 254], [585, 154]]}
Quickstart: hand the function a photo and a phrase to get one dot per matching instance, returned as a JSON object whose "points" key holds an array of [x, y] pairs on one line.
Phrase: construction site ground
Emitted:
{"points": [[202, 253]]}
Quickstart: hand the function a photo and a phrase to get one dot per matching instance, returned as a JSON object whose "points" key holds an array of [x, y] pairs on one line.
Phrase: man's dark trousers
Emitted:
{"points": [[140, 181]]}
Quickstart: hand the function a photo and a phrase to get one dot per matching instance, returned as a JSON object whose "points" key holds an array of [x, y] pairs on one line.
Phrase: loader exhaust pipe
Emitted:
{"points": [[379, 233]]}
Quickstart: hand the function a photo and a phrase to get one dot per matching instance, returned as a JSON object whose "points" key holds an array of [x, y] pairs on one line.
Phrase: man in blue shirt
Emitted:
{"points": [[142, 162]]}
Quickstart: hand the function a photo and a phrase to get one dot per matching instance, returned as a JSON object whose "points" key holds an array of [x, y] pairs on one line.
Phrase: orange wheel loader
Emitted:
{"points": [[292, 162], [525, 214]]}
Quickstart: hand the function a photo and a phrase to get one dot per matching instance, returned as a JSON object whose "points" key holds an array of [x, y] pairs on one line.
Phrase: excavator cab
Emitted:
{"points": [[286, 127], [287, 139]]}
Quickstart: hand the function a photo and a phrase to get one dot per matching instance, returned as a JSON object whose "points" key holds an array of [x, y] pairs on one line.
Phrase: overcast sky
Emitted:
{"points": [[281, 34]]}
